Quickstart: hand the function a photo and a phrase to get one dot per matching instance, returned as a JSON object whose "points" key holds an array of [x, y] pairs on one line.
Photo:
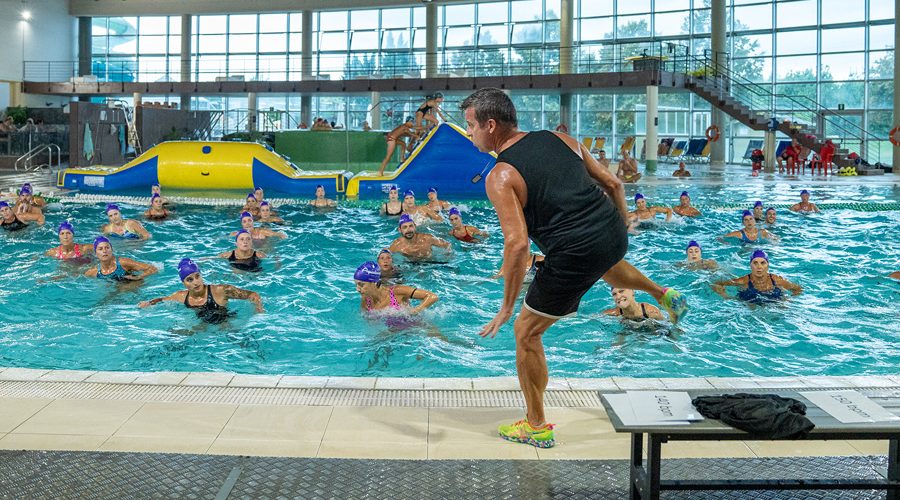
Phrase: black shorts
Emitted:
{"points": [[562, 280]]}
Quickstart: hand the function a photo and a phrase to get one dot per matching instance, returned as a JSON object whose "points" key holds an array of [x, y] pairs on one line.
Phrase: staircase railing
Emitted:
{"points": [[760, 100], [25, 160]]}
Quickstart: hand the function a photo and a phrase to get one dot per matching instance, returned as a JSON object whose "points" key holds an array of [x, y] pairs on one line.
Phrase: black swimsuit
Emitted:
{"points": [[643, 311], [388, 212], [210, 311], [15, 225], [250, 264]]}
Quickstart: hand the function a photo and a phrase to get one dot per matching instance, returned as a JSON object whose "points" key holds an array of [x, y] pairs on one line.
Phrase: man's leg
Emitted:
{"points": [[624, 275], [531, 364]]}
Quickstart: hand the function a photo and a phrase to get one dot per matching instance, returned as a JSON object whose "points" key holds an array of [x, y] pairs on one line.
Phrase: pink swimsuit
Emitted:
{"points": [[61, 256], [394, 303]]}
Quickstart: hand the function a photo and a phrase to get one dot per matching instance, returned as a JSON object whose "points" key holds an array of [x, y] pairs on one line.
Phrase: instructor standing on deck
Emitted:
{"points": [[548, 187]]}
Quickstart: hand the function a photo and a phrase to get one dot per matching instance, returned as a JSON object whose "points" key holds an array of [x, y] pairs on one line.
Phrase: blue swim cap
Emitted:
{"points": [[384, 250], [257, 188], [239, 233], [368, 272], [757, 204], [432, 190], [246, 214], [804, 192], [685, 193], [100, 239], [251, 195], [156, 185], [393, 188], [746, 213], [26, 189], [186, 268], [404, 219], [453, 211], [155, 195], [320, 186], [264, 203], [638, 196], [770, 209], [65, 226], [4, 204], [759, 254], [111, 206], [409, 193], [693, 244]]}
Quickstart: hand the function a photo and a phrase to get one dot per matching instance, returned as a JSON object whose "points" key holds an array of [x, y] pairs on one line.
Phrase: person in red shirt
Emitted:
{"points": [[790, 156]]}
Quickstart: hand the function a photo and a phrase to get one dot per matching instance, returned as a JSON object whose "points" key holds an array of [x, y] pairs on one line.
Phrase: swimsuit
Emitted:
{"points": [[467, 238], [60, 255], [755, 296], [387, 210], [210, 311], [15, 225], [643, 311], [394, 303], [249, 264], [118, 273], [745, 239], [126, 235]]}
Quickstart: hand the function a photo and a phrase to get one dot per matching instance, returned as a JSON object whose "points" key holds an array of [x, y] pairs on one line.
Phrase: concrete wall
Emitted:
{"points": [[49, 35]]}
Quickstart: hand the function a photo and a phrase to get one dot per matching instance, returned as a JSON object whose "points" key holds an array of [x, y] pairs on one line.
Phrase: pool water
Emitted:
{"points": [[845, 321]]}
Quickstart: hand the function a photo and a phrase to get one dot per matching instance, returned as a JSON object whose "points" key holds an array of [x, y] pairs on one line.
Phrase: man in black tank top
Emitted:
{"points": [[547, 187]]}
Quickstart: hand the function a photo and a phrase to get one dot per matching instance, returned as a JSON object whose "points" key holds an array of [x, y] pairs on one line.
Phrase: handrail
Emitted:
{"points": [[25, 159]]}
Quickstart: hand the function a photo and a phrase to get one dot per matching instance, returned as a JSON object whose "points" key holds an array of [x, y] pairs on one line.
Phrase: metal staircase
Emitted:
{"points": [[798, 117]]}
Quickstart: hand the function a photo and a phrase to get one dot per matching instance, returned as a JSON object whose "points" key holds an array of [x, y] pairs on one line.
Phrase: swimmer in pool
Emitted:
{"points": [[11, 221], [628, 308], [259, 194], [410, 208], [758, 211], [750, 233], [68, 249], [374, 296], [251, 205], [695, 258], [895, 275], [462, 232], [392, 207], [244, 257], [805, 206], [266, 215], [531, 266], [117, 268], [320, 200], [771, 216], [27, 202], [760, 285], [386, 263], [123, 228], [156, 210], [413, 245], [210, 301], [257, 233], [155, 189], [642, 212], [684, 208], [434, 203]]}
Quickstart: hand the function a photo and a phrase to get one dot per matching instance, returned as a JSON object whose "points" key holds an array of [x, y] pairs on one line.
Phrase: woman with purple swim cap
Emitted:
{"points": [[418, 212], [434, 203], [392, 207], [251, 205], [115, 268], [244, 257], [123, 228], [257, 233], [320, 201], [156, 210], [388, 269], [68, 249], [11, 221], [374, 296], [750, 233], [695, 258], [209, 301], [684, 207], [462, 232], [266, 215], [760, 286]]}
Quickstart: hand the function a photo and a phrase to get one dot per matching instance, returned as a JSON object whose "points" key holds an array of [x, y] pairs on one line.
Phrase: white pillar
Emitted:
{"points": [[375, 112], [430, 40], [651, 143], [717, 43], [769, 149], [251, 111], [306, 61]]}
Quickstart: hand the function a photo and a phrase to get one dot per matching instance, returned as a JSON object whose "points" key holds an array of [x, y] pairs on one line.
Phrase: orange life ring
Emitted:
{"points": [[892, 136], [712, 133]]}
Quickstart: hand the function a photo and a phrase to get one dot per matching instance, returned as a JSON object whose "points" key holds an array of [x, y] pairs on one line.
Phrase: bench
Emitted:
{"points": [[645, 482]]}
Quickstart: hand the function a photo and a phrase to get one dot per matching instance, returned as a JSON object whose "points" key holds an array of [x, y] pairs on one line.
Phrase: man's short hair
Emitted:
{"points": [[491, 103], [602, 150]]}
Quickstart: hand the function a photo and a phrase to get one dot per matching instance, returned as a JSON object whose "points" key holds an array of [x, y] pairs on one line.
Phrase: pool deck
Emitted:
{"points": [[354, 417]]}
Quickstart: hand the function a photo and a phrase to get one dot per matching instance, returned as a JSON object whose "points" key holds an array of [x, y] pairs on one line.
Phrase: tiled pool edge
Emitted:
{"points": [[221, 379]]}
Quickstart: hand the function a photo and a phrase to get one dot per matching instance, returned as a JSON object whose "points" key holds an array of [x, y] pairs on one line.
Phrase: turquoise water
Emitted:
{"points": [[845, 322]]}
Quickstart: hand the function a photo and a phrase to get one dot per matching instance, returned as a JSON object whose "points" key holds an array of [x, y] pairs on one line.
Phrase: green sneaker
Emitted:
{"points": [[674, 303], [523, 432]]}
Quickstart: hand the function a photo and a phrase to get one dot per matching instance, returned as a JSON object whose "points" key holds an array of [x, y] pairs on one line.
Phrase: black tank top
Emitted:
{"points": [[567, 212], [250, 264], [15, 225], [210, 311]]}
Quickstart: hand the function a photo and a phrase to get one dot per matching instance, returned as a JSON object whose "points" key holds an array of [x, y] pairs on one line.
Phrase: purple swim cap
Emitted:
{"points": [[246, 214], [804, 192], [112, 206], [239, 233], [100, 239], [759, 254], [65, 226], [757, 204], [368, 272], [685, 193], [264, 203], [638, 196], [432, 190], [320, 186], [26, 189], [186, 268], [257, 188], [404, 219], [393, 188], [4, 204], [155, 195], [409, 193], [693, 244], [770, 209], [746, 213], [453, 211], [384, 250]]}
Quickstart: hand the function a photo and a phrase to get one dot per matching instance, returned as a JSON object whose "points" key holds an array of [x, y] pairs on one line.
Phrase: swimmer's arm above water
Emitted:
{"points": [[133, 266], [177, 296], [438, 242], [427, 298], [233, 292], [719, 286], [787, 285]]}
